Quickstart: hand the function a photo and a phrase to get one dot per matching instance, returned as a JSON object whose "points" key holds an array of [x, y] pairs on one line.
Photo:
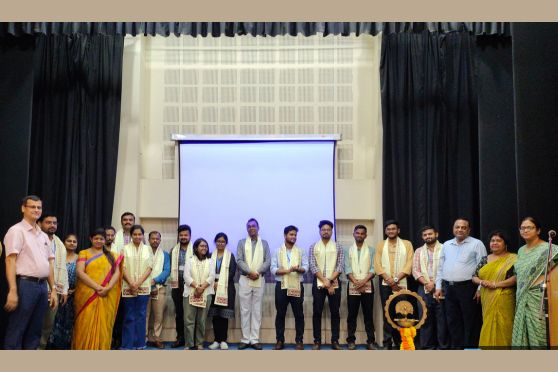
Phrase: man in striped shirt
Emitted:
{"points": [[434, 332]]}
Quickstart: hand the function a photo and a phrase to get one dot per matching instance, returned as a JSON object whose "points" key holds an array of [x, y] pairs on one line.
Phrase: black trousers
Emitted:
{"points": [[220, 328], [177, 298], [391, 335], [366, 300], [282, 301], [462, 314], [117, 328], [434, 332], [319, 296]]}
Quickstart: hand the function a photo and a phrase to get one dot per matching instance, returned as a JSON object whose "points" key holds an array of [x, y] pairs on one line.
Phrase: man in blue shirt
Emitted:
{"points": [[458, 261]]}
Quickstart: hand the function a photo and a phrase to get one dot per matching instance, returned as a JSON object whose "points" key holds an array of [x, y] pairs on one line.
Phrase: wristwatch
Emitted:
{"points": [[396, 280]]}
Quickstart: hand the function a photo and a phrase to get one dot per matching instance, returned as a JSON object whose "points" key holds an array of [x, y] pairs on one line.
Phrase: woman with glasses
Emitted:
{"points": [[199, 276], [496, 281], [222, 308], [529, 325]]}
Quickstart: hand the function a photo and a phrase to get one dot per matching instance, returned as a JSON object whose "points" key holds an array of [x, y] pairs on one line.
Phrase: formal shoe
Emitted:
{"points": [[299, 346], [336, 346], [158, 345], [224, 346], [279, 345], [351, 346], [242, 346], [372, 346], [317, 346], [178, 343], [256, 346], [389, 346], [213, 346]]}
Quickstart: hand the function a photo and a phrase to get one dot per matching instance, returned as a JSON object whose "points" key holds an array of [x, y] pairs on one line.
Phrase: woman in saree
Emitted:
{"points": [[529, 327], [496, 281], [61, 336], [97, 295]]}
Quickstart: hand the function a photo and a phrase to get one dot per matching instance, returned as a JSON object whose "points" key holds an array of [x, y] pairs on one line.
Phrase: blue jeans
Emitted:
{"points": [[133, 327], [26, 321], [434, 332]]}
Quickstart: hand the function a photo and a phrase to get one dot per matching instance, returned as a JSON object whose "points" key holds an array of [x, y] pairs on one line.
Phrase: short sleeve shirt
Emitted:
{"points": [[32, 247]]}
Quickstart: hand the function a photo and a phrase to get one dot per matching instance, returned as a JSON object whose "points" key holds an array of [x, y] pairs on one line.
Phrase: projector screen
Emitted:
{"points": [[279, 183]]}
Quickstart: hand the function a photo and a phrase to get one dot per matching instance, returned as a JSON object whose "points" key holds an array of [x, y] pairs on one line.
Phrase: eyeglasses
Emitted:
{"points": [[38, 207], [527, 228]]}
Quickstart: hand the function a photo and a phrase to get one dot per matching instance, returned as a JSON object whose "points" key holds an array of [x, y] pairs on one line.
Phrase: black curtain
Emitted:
{"points": [[75, 128], [231, 29], [16, 91], [429, 111], [535, 76], [497, 168]]}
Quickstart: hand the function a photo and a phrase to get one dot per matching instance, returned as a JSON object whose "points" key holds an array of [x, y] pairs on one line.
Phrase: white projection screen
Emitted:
{"points": [[223, 183]]}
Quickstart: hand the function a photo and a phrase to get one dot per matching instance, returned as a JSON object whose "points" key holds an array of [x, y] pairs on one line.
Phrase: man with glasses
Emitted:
{"points": [[29, 266], [458, 261]]}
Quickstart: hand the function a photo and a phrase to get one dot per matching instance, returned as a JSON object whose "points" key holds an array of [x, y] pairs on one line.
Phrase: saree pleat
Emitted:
{"points": [[498, 305], [529, 325], [95, 315]]}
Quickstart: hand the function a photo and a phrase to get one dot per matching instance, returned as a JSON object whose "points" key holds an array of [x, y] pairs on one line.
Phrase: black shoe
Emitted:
{"points": [[256, 346], [372, 346], [242, 346], [351, 346], [389, 346], [317, 346], [178, 343], [336, 346]]}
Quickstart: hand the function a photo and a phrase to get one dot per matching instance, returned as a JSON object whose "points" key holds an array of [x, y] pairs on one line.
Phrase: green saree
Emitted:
{"points": [[529, 327]]}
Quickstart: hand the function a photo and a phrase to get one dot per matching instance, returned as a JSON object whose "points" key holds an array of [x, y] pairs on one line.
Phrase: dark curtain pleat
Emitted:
{"points": [[75, 128], [429, 112], [16, 92], [248, 28]]}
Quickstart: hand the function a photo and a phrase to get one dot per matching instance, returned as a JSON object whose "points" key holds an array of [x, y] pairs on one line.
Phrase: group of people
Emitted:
{"points": [[113, 294]]}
